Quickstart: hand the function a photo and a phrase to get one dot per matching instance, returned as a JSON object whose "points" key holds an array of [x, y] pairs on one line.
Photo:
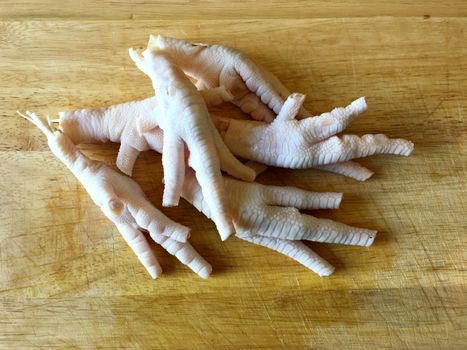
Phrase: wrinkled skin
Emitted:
{"points": [[256, 91], [258, 211], [119, 123], [183, 116], [124, 203], [310, 143], [261, 95], [115, 124], [269, 216], [263, 215]]}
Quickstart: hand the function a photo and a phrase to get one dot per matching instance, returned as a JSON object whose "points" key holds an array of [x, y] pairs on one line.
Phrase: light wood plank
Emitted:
{"points": [[214, 9], [68, 280]]}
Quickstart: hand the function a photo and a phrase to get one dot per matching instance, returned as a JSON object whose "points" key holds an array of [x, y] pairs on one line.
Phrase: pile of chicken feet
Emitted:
{"points": [[198, 146]]}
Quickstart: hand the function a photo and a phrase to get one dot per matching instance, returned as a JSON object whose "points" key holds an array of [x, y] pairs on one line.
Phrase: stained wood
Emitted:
{"points": [[67, 279]]}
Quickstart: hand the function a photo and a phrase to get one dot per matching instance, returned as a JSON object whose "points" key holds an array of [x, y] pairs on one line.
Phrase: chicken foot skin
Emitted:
{"points": [[183, 116], [310, 143], [123, 202], [256, 91], [274, 221], [269, 216]]}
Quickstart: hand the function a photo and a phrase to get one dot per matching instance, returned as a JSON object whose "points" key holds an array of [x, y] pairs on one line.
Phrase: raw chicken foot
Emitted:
{"points": [[311, 142], [183, 116], [256, 91], [307, 144], [124, 203], [269, 216], [119, 123]]}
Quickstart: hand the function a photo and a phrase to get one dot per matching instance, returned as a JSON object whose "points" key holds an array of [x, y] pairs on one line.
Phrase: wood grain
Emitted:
{"points": [[67, 279], [214, 9]]}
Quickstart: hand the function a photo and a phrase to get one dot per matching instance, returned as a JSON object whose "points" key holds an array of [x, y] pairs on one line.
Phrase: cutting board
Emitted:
{"points": [[67, 278]]}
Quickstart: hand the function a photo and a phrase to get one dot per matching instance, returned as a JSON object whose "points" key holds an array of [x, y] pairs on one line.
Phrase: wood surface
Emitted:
{"points": [[68, 280]]}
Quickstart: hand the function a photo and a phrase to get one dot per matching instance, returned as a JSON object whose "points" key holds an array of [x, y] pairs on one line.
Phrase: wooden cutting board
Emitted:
{"points": [[67, 279]]}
